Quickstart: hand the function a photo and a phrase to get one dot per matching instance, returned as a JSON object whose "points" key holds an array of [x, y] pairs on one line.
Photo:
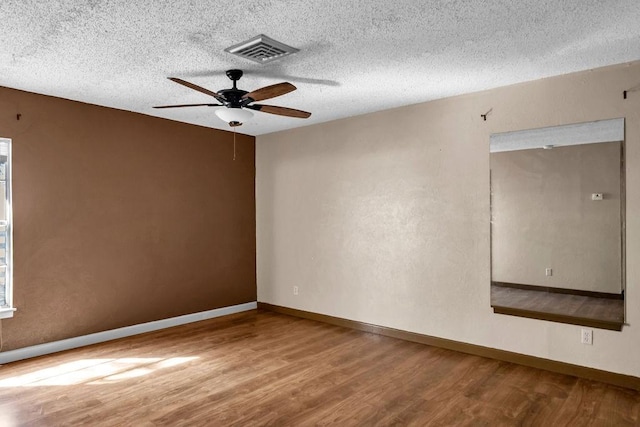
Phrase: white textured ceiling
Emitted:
{"points": [[355, 56]]}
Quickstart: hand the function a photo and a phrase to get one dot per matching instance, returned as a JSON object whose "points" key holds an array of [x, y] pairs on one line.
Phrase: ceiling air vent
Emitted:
{"points": [[261, 49]]}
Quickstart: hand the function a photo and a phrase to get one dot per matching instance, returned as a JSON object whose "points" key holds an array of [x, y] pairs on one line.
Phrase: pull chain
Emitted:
{"points": [[234, 125]]}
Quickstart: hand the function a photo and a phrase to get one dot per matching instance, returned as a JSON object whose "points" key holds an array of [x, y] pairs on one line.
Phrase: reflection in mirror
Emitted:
{"points": [[557, 223]]}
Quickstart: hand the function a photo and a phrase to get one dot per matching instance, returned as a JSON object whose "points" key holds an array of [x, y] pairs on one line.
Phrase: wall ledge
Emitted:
{"points": [[620, 380], [113, 334]]}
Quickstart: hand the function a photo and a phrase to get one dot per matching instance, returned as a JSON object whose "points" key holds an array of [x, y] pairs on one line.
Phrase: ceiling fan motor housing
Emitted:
{"points": [[233, 98]]}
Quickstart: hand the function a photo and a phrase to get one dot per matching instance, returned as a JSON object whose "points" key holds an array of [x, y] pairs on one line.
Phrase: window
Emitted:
{"points": [[6, 258]]}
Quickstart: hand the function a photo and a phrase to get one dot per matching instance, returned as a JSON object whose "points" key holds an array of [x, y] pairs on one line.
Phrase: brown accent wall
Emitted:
{"points": [[122, 218]]}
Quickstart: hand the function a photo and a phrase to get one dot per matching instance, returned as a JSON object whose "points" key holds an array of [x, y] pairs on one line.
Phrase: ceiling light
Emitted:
{"points": [[234, 114]]}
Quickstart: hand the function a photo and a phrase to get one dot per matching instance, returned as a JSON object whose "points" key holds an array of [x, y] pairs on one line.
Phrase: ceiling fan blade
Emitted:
{"points": [[189, 105], [281, 111], [270, 91], [194, 87]]}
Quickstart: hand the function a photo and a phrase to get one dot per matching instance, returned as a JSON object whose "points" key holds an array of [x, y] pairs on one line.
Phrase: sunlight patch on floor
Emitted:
{"points": [[94, 371]]}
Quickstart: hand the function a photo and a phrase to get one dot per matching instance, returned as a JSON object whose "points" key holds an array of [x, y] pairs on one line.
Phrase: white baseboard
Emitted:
{"points": [[127, 331]]}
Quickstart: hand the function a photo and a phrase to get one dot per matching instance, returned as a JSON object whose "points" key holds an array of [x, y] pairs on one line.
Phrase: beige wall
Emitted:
{"points": [[122, 218], [542, 216], [384, 218]]}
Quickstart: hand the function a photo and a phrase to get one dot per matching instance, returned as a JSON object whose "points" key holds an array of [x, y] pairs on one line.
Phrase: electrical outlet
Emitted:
{"points": [[295, 290], [586, 336], [548, 271]]}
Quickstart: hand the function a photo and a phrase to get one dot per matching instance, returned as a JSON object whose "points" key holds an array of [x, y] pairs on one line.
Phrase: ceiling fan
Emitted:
{"points": [[238, 102]]}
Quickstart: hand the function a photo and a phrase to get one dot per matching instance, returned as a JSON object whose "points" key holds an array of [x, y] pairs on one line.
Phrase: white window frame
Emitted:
{"points": [[7, 310]]}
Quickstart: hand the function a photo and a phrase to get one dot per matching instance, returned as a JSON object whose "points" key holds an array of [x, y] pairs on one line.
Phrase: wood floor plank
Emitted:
{"points": [[262, 368]]}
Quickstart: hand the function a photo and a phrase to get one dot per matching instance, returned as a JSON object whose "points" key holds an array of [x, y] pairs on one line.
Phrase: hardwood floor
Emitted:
{"points": [[264, 368]]}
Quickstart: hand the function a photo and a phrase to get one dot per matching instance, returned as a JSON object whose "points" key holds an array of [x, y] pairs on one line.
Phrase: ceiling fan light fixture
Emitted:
{"points": [[231, 114]]}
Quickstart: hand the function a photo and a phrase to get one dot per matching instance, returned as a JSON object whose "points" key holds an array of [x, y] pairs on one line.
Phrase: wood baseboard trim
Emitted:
{"points": [[113, 334], [621, 380]]}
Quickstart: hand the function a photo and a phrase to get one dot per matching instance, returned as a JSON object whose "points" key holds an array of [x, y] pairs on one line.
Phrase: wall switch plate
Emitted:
{"points": [[586, 336], [295, 290], [548, 272], [597, 196]]}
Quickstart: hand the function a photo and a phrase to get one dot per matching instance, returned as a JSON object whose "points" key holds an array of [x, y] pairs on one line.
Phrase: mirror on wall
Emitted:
{"points": [[557, 223]]}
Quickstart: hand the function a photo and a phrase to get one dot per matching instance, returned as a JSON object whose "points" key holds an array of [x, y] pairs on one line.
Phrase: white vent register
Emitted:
{"points": [[261, 49]]}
